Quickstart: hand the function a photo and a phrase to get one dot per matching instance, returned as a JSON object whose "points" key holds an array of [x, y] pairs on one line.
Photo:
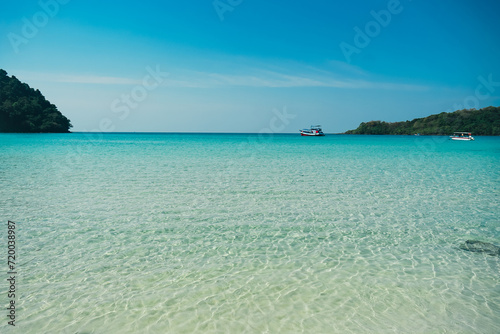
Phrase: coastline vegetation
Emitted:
{"points": [[24, 109], [485, 121]]}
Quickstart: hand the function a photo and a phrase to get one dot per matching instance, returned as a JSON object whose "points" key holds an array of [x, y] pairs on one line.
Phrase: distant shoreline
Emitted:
{"points": [[485, 121], [232, 133]]}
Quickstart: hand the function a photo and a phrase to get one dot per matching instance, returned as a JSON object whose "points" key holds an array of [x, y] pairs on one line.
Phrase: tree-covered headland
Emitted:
{"points": [[24, 109], [484, 122]]}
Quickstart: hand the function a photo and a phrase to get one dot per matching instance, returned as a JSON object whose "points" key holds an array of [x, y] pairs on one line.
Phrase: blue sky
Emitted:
{"points": [[234, 65]]}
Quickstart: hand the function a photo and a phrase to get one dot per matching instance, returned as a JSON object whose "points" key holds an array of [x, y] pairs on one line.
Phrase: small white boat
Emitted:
{"points": [[315, 130], [462, 136]]}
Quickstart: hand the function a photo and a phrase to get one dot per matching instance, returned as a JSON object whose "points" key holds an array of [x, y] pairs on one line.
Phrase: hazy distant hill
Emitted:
{"points": [[484, 121], [24, 109]]}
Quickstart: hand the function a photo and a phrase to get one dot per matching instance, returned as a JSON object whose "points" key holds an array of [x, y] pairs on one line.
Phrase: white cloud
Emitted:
{"points": [[275, 79], [79, 79], [336, 75]]}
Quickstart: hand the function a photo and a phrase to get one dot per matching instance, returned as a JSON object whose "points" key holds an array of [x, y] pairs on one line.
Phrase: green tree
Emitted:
{"points": [[24, 109], [484, 121]]}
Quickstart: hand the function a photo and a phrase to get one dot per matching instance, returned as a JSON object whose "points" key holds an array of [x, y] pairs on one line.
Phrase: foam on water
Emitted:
{"points": [[157, 233]]}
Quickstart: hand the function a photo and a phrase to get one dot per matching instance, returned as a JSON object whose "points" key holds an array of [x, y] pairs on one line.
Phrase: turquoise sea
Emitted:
{"points": [[246, 233]]}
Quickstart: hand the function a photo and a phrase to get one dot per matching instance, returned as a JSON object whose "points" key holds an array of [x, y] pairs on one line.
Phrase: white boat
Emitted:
{"points": [[462, 136], [315, 130]]}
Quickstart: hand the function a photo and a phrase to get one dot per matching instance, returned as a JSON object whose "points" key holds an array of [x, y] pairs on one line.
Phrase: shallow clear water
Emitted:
{"points": [[219, 233]]}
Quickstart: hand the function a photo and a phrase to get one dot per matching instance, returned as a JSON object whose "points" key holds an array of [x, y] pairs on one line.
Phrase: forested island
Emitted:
{"points": [[484, 122], [24, 109]]}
